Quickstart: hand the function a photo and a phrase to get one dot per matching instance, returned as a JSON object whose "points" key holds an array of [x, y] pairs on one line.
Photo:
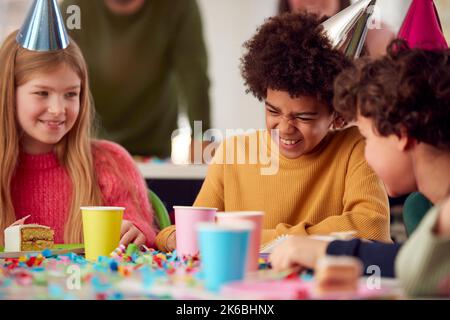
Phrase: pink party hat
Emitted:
{"points": [[422, 27]]}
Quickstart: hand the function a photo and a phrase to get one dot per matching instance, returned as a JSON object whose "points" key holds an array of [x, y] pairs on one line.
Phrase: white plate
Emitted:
{"points": [[18, 254]]}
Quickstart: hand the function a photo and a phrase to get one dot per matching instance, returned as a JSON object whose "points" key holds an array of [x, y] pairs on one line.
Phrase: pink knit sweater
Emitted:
{"points": [[42, 187]]}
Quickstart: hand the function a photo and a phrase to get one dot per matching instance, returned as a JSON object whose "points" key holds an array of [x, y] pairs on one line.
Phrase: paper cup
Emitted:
{"points": [[186, 219], [223, 252], [255, 237], [101, 230]]}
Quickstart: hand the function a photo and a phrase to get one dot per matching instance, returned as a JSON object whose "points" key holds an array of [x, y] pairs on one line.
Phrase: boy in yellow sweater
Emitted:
{"points": [[322, 183]]}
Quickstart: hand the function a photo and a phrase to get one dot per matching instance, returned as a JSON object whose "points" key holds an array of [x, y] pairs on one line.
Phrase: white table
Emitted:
{"points": [[172, 171]]}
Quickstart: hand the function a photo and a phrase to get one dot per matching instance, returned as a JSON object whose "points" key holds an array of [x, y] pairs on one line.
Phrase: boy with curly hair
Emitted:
{"points": [[323, 183], [401, 105]]}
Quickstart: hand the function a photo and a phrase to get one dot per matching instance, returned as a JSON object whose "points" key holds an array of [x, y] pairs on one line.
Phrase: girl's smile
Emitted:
{"points": [[52, 124]]}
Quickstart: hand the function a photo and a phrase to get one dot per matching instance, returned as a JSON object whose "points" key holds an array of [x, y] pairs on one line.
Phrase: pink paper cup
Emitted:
{"points": [[186, 219], [255, 236]]}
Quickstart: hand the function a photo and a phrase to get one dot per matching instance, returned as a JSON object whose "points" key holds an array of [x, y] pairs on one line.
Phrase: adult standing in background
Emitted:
{"points": [[377, 39], [146, 58]]}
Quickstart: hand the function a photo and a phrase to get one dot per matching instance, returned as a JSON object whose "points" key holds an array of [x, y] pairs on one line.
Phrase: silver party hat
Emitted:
{"points": [[347, 29], [43, 29]]}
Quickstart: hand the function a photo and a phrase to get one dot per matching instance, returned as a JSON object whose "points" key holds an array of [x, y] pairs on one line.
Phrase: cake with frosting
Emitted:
{"points": [[28, 237], [337, 274]]}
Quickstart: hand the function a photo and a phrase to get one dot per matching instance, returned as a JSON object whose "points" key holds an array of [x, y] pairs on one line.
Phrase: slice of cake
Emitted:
{"points": [[337, 274], [28, 237]]}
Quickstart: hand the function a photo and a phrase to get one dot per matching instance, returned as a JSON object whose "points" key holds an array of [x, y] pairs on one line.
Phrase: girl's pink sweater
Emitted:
{"points": [[42, 188]]}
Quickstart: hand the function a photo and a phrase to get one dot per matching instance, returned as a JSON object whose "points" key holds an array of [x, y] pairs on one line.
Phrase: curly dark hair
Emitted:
{"points": [[408, 89], [290, 53]]}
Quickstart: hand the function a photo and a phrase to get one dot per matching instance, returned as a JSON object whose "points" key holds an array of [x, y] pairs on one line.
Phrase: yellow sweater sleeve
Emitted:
{"points": [[212, 192], [365, 203]]}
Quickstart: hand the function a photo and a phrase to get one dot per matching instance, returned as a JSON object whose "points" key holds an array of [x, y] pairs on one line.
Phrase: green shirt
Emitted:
{"points": [[414, 209], [141, 68], [423, 263]]}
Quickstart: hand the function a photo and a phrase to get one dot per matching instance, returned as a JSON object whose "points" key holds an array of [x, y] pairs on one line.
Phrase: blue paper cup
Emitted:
{"points": [[223, 252]]}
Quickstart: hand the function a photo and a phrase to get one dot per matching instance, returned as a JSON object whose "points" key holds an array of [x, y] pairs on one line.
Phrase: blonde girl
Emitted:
{"points": [[49, 164]]}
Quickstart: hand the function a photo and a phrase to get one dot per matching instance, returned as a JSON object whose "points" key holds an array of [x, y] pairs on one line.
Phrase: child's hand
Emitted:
{"points": [[130, 234], [297, 251], [443, 223]]}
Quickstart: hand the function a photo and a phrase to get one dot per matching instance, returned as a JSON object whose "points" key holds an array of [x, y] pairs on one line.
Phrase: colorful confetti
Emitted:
{"points": [[70, 276], [128, 273]]}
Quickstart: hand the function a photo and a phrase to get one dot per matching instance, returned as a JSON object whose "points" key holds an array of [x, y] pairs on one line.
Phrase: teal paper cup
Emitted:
{"points": [[223, 252]]}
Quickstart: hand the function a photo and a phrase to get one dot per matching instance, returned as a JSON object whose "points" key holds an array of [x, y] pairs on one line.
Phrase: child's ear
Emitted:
{"points": [[339, 122], [405, 141]]}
